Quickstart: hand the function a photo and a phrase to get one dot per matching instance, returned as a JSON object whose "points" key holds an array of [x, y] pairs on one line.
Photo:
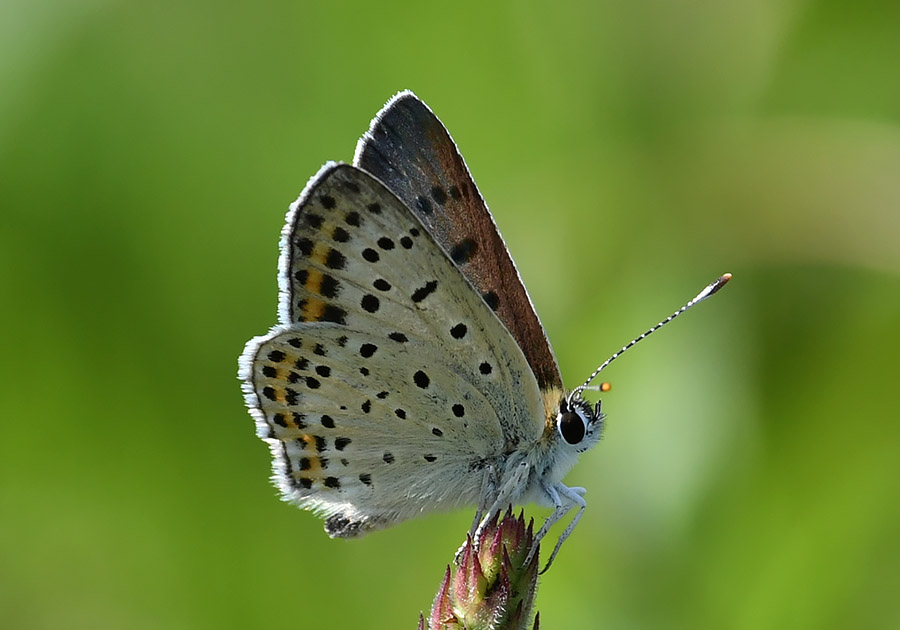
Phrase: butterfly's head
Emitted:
{"points": [[578, 424]]}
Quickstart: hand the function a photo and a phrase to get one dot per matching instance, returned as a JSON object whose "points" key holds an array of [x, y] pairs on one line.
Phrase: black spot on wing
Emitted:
{"points": [[335, 259], [330, 287], [424, 291], [463, 251], [334, 314], [370, 303], [304, 246], [332, 482], [438, 194]]}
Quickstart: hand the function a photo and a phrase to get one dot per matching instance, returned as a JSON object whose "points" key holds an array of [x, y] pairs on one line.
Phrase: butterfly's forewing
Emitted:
{"points": [[411, 152], [389, 382]]}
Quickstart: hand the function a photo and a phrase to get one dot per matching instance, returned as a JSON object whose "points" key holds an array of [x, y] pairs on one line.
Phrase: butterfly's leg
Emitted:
{"points": [[488, 484], [559, 510], [576, 497], [514, 483]]}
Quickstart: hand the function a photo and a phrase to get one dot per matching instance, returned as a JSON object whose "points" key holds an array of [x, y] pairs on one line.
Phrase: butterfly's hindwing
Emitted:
{"points": [[411, 151], [387, 364]]}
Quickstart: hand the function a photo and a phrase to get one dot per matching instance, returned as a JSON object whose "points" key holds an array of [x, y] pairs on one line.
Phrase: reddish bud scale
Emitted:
{"points": [[490, 589]]}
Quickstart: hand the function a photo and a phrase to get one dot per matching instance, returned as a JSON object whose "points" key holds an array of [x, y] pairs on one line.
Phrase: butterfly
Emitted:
{"points": [[409, 371]]}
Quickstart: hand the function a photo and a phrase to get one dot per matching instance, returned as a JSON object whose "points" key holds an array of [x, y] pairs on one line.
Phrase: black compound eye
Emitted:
{"points": [[571, 427]]}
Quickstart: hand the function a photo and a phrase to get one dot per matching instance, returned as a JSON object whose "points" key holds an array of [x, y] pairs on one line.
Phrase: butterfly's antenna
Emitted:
{"points": [[714, 286]]}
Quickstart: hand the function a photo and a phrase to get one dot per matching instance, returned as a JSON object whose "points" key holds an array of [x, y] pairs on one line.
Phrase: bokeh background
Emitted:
{"points": [[630, 152]]}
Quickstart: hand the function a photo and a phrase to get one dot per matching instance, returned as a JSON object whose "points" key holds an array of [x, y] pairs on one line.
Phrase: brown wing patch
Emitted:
{"points": [[411, 152]]}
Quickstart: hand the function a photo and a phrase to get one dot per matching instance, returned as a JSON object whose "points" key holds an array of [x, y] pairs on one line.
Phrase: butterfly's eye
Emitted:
{"points": [[571, 426]]}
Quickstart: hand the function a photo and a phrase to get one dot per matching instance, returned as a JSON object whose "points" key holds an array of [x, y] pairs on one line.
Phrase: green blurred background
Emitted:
{"points": [[630, 152]]}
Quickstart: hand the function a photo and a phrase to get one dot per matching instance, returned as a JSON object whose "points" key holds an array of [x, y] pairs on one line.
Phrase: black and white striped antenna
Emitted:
{"points": [[710, 289]]}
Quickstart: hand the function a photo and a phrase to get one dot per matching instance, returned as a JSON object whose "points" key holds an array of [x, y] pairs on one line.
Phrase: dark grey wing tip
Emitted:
{"points": [[403, 104], [403, 98]]}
